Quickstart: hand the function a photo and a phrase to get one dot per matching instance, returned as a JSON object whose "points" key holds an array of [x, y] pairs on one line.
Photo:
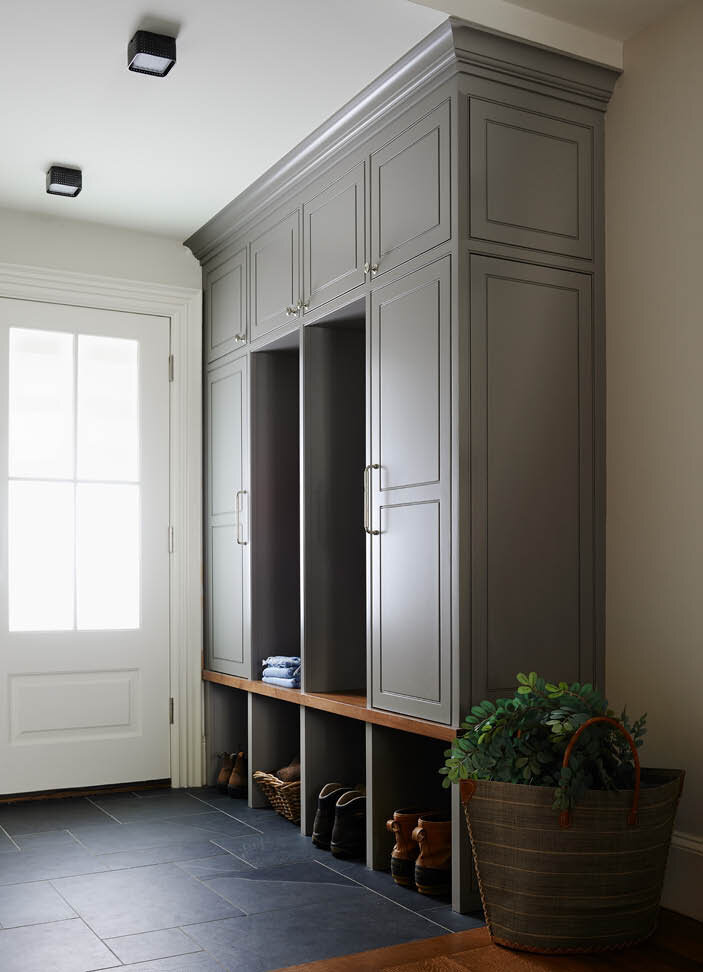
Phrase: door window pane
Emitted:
{"points": [[41, 568], [41, 404], [108, 409], [107, 555]]}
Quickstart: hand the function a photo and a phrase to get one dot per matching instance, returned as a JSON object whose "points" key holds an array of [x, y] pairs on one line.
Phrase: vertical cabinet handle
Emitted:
{"points": [[367, 499], [238, 507]]}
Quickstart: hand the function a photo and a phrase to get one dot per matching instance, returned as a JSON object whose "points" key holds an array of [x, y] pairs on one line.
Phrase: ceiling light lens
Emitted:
{"points": [[153, 54], [63, 181]]}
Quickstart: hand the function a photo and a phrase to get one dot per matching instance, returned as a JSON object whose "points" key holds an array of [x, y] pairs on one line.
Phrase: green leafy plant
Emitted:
{"points": [[523, 739]]}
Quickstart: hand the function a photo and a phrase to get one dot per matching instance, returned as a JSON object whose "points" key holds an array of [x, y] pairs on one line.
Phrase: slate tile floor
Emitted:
{"points": [[178, 880]]}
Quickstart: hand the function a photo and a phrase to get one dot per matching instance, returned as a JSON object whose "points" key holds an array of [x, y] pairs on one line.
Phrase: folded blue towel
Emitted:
{"points": [[282, 661], [283, 682], [271, 671]]}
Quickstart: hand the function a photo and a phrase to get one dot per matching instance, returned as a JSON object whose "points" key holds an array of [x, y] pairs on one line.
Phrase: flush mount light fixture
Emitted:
{"points": [[151, 53], [62, 181]]}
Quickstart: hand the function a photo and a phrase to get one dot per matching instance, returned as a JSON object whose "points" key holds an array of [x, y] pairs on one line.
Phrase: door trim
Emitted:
{"points": [[183, 307]]}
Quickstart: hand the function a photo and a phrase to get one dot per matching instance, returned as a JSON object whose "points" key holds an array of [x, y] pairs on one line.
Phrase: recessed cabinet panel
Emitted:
{"points": [[409, 515], [410, 191], [227, 614], [532, 462], [226, 307], [531, 180], [333, 239], [275, 285]]}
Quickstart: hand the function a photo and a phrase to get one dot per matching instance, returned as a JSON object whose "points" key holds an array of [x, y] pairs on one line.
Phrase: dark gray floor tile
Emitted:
{"points": [[261, 818], [46, 864], [253, 897], [169, 804], [383, 883], [219, 865], [152, 945], [277, 939], [35, 817], [136, 836], [453, 921], [31, 904], [142, 899], [273, 848], [64, 946], [215, 822], [6, 845], [303, 871], [50, 838], [200, 962], [162, 854]]}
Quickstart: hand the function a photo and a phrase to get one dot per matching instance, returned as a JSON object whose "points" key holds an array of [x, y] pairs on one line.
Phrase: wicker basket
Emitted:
{"points": [[586, 881], [283, 797]]}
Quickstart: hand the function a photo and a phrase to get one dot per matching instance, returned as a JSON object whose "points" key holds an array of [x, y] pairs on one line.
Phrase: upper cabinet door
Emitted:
{"points": [[227, 619], [334, 239], [531, 180], [226, 306], [410, 191], [409, 478], [532, 474], [274, 275]]}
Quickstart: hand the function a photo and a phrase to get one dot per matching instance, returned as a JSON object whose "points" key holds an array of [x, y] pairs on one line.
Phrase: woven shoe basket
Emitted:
{"points": [[283, 797], [586, 882]]}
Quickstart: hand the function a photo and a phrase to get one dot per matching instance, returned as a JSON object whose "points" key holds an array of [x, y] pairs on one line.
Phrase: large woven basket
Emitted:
{"points": [[283, 797], [586, 881]]}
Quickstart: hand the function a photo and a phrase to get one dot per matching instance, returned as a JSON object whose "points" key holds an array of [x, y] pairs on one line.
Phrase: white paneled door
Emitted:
{"points": [[84, 563]]}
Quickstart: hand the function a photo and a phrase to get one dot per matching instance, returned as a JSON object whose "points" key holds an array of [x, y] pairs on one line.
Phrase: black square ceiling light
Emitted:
{"points": [[151, 53], [62, 181]]}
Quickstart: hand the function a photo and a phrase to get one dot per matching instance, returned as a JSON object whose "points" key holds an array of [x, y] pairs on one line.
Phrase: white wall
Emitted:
{"points": [[654, 209], [81, 247]]}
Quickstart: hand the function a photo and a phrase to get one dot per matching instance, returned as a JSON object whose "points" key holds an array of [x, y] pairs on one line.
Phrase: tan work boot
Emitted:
{"points": [[433, 867], [291, 772], [405, 849], [237, 785], [225, 771]]}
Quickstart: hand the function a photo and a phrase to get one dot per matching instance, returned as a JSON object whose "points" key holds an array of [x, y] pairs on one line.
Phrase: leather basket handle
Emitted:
{"points": [[565, 815]]}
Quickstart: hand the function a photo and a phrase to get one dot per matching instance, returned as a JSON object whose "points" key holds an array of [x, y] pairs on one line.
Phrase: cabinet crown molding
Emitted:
{"points": [[454, 48]]}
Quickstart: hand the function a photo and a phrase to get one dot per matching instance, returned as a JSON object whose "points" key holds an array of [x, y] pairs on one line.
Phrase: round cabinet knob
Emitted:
{"points": [[291, 311]]}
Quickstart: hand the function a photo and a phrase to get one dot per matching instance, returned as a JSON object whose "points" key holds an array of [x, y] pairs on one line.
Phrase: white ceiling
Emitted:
{"points": [[253, 78], [163, 155]]}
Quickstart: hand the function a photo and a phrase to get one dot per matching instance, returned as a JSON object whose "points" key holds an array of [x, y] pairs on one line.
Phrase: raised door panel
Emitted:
{"points": [[531, 180], [227, 548], [334, 239], [409, 513], [226, 306], [274, 275], [410, 191], [532, 473]]}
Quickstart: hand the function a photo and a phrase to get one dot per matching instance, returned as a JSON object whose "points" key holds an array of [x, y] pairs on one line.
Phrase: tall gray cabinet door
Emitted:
{"points": [[274, 275], [225, 289], [227, 521], [410, 191], [532, 484], [334, 239], [409, 514]]}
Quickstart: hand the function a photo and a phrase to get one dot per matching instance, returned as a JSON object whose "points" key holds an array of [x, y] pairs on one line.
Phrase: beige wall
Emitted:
{"points": [[81, 247], [654, 208]]}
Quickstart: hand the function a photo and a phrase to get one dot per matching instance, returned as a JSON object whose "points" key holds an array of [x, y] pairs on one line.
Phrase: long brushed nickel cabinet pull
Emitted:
{"points": [[367, 499], [238, 507]]}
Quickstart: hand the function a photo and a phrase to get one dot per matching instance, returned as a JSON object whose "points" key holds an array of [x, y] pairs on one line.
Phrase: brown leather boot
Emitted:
{"points": [[291, 772], [237, 785], [433, 867], [225, 771], [405, 850]]}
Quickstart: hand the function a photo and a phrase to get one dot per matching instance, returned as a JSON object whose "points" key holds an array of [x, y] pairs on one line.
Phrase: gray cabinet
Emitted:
{"points": [[531, 179], [225, 298], [227, 520], [334, 239], [532, 474], [274, 274], [410, 508], [410, 191]]}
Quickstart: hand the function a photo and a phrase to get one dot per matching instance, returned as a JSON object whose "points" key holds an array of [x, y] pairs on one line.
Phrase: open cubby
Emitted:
{"points": [[226, 719], [274, 739], [335, 546], [275, 509], [334, 750]]}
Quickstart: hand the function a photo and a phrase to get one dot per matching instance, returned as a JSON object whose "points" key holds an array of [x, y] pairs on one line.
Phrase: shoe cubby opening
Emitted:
{"points": [[334, 751], [226, 726], [335, 545], [275, 508], [275, 739]]}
